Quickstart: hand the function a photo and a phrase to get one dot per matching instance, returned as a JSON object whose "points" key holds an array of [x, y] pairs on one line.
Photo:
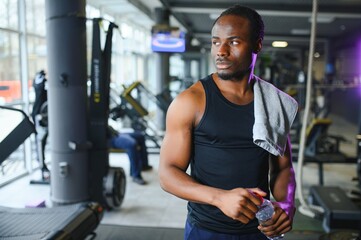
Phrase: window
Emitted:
{"points": [[10, 85]]}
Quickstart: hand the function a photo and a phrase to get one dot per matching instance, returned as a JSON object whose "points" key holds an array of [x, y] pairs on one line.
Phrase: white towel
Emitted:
{"points": [[274, 113]]}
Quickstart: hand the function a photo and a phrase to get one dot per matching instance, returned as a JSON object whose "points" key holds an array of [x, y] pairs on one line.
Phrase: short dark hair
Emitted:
{"points": [[257, 25]]}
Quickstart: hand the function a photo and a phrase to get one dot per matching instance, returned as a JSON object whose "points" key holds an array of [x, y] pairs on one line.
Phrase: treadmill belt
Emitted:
{"points": [[63, 222]]}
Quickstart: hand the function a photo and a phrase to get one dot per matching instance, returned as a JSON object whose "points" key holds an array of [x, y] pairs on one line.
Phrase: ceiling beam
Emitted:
{"points": [[142, 8], [280, 13]]}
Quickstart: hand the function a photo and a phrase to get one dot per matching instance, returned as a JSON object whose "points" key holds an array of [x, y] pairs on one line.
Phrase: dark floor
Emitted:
{"points": [[116, 232]]}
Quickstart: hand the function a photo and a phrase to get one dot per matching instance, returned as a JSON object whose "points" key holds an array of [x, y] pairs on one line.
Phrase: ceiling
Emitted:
{"points": [[287, 20]]}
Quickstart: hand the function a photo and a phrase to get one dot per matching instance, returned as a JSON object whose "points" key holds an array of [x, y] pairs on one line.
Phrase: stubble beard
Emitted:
{"points": [[234, 76]]}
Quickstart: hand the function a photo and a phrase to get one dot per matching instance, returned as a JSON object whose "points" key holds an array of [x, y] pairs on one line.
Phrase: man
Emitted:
{"points": [[219, 128], [134, 145]]}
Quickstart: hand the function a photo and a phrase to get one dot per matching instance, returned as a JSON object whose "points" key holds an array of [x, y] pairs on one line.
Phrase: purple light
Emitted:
{"points": [[359, 64]]}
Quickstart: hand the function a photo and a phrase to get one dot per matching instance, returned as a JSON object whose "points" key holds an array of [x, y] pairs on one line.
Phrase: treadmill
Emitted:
{"points": [[340, 211], [76, 221]]}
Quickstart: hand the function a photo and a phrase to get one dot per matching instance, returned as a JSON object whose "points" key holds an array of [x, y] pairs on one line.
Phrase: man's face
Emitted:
{"points": [[232, 49]]}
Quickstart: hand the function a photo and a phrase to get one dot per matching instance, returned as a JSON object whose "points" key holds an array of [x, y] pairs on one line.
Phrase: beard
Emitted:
{"points": [[233, 76]]}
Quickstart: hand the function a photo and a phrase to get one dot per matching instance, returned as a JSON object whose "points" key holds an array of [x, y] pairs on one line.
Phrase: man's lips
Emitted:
{"points": [[223, 64]]}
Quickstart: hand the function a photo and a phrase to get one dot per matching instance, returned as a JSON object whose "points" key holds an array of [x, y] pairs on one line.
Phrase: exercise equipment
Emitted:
{"points": [[76, 221], [40, 118], [340, 212], [17, 136], [162, 100], [131, 106], [106, 184], [42, 131], [323, 148]]}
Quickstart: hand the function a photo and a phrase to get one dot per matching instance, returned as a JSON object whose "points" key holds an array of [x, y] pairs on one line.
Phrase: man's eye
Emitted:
{"points": [[234, 43], [215, 43]]}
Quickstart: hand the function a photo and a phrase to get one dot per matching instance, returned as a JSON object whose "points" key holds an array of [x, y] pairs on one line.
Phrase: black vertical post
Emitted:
{"points": [[67, 99], [162, 62], [99, 112]]}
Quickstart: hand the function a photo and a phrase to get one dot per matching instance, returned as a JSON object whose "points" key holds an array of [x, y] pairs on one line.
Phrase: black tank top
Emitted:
{"points": [[224, 156]]}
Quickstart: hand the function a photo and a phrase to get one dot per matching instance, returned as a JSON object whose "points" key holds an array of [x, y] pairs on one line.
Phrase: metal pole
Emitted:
{"points": [[67, 99], [162, 63]]}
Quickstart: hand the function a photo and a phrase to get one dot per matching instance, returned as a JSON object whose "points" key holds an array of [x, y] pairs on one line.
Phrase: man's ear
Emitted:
{"points": [[258, 46]]}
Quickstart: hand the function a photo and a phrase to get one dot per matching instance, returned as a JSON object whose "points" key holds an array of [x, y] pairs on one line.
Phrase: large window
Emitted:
{"points": [[9, 14], [10, 42], [36, 37], [10, 85], [22, 54], [35, 17]]}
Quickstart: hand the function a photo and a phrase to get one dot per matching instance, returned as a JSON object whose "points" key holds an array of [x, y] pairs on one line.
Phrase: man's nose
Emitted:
{"points": [[223, 50]]}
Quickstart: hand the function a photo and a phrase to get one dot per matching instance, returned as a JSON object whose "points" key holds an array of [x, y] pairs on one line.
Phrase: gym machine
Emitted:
{"points": [[130, 105], [341, 211], [40, 118], [41, 126], [322, 148], [76, 221], [106, 184]]}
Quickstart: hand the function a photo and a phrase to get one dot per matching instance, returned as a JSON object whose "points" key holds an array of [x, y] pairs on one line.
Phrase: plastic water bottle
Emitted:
{"points": [[265, 213]]}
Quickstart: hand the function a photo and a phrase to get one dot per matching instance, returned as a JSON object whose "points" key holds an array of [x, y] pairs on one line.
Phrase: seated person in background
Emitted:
{"points": [[134, 144]]}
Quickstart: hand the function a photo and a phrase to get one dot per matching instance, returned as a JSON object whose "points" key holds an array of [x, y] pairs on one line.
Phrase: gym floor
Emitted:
{"points": [[150, 206]]}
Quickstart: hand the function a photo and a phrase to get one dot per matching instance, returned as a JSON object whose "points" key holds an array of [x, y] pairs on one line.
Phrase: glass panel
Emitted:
{"points": [[10, 86], [35, 17], [36, 60], [140, 68], [9, 14]]}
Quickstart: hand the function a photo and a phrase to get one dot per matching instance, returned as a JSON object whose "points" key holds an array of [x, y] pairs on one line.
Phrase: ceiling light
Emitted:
{"points": [[300, 31], [323, 19], [213, 16], [195, 42], [279, 44]]}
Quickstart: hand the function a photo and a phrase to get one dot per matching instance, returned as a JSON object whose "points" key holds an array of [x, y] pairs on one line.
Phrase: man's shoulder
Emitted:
{"points": [[191, 99], [194, 91], [206, 78]]}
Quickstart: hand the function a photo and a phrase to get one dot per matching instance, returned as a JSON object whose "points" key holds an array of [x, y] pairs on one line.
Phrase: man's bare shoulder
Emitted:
{"points": [[193, 93], [190, 102]]}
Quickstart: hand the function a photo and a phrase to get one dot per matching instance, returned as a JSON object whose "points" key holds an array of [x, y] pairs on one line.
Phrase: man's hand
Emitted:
{"points": [[279, 224], [240, 204]]}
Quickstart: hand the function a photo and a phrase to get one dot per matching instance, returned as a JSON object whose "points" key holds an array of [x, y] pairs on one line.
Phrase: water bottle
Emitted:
{"points": [[265, 213]]}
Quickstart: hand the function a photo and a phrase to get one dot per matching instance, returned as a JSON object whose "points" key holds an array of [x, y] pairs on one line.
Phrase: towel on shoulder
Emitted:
{"points": [[274, 113]]}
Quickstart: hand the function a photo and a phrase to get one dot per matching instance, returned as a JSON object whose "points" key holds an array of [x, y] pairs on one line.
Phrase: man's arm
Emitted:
{"points": [[183, 114], [283, 186], [176, 151]]}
